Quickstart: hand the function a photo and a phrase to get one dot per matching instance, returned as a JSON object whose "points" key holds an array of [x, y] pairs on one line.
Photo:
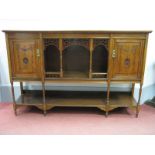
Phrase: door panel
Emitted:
{"points": [[127, 59], [25, 62]]}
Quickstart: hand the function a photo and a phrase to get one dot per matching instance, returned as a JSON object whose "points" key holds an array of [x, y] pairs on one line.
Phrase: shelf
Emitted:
{"points": [[75, 75], [122, 99], [30, 98], [63, 98], [52, 72], [77, 99], [99, 75]]}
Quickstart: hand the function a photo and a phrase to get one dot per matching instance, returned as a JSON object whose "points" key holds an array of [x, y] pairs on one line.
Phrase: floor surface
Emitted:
{"points": [[79, 121]]}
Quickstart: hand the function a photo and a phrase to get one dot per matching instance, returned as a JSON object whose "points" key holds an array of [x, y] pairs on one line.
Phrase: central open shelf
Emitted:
{"points": [[76, 58], [75, 74]]}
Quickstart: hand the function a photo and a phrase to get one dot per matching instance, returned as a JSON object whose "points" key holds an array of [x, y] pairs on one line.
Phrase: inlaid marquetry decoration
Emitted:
{"points": [[80, 42], [25, 49], [134, 48]]}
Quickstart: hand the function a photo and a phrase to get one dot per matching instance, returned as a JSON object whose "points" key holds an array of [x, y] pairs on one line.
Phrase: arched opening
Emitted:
{"points": [[52, 59], [100, 59], [76, 61]]}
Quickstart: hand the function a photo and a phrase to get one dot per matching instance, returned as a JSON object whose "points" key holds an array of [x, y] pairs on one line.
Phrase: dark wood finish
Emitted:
{"points": [[81, 57]]}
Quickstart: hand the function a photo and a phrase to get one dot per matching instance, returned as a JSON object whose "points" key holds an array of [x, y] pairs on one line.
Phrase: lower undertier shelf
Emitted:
{"points": [[76, 99]]}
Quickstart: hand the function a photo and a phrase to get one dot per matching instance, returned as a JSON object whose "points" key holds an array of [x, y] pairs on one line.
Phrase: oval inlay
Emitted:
{"points": [[25, 60], [24, 49], [127, 62]]}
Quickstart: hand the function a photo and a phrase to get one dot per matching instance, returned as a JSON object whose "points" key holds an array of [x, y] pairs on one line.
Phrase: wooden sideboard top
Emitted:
{"points": [[82, 31]]}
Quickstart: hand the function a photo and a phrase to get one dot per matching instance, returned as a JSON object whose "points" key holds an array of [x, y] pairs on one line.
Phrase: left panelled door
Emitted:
{"points": [[25, 58]]}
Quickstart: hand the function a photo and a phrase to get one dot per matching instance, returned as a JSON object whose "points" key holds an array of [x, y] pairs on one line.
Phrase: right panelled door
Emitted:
{"points": [[127, 58]]}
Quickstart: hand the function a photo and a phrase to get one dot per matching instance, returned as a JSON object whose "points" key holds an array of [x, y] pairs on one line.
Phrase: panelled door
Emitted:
{"points": [[25, 55], [127, 56]]}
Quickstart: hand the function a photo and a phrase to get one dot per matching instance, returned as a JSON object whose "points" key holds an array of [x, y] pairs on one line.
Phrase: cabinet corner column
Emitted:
{"points": [[91, 52], [109, 75], [108, 98], [133, 89], [44, 102], [21, 88], [60, 49]]}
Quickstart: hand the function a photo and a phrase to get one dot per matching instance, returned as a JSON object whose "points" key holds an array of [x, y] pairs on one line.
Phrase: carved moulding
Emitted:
{"points": [[104, 42], [54, 42], [81, 42]]}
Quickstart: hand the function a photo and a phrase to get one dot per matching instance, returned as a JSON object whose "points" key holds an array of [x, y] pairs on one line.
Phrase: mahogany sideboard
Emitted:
{"points": [[102, 57]]}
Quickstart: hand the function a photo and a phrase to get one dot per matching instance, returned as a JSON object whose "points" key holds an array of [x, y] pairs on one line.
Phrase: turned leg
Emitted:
{"points": [[13, 97], [107, 104], [133, 89], [44, 104], [22, 91], [132, 95], [140, 93], [21, 88]]}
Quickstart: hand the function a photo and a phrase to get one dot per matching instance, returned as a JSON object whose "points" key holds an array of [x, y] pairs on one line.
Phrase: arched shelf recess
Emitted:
{"points": [[52, 60], [76, 61], [100, 61]]}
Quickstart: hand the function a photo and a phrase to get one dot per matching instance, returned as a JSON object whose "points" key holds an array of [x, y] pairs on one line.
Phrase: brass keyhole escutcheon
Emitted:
{"points": [[38, 53], [114, 54]]}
